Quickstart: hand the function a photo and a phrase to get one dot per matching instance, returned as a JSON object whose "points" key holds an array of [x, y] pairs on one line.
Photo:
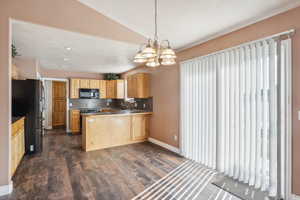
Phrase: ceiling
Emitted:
{"points": [[184, 23], [188, 22], [87, 54]]}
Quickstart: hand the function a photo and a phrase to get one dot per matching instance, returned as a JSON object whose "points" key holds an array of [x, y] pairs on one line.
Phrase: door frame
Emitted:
{"points": [[67, 97]]}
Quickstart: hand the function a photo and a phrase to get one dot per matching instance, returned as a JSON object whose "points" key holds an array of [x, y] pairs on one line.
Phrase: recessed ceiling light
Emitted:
{"points": [[68, 48], [66, 59]]}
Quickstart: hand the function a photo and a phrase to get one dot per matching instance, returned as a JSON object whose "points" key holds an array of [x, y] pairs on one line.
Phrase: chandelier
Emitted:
{"points": [[155, 52]]}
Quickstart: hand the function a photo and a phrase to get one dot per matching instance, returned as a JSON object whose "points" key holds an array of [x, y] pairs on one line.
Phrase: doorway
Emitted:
{"points": [[59, 97]]}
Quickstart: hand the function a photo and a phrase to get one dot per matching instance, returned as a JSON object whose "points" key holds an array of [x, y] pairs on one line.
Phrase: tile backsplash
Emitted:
{"points": [[140, 104]]}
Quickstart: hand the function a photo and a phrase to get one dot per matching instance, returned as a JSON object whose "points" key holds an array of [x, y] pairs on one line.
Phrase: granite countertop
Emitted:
{"points": [[118, 112], [14, 119]]}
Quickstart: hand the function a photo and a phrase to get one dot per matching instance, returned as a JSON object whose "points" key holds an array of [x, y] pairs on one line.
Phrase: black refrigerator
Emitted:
{"points": [[28, 101]]}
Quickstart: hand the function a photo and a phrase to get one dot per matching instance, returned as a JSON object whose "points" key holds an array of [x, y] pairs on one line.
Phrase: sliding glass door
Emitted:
{"points": [[232, 108]]}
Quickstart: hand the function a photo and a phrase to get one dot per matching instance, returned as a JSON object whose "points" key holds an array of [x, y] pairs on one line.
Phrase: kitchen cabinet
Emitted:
{"points": [[84, 83], [17, 144], [102, 89], [75, 121], [94, 84], [109, 89], [115, 89], [138, 86], [74, 88], [120, 89], [140, 127], [105, 131]]}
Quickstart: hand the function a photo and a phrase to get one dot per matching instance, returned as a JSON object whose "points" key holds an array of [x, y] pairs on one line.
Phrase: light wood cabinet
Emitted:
{"points": [[109, 89], [140, 127], [17, 144], [115, 89], [131, 83], [94, 84], [104, 131], [138, 86], [119, 89], [84, 83], [74, 88], [102, 89], [75, 121]]}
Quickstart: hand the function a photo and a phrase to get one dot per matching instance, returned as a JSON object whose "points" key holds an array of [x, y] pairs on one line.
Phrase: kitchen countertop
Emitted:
{"points": [[118, 113]]}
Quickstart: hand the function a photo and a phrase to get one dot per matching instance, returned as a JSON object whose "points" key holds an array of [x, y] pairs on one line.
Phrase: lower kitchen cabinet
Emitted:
{"points": [[75, 121], [104, 131], [139, 127], [17, 144]]}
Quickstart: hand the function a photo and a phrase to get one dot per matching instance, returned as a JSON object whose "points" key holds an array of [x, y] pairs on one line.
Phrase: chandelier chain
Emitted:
{"points": [[155, 14]]}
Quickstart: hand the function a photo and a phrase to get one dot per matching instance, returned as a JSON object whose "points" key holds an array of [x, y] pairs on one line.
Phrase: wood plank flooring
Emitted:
{"points": [[63, 171]]}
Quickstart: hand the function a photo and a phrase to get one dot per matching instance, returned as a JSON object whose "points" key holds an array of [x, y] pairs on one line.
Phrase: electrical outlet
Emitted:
{"points": [[175, 137], [31, 147]]}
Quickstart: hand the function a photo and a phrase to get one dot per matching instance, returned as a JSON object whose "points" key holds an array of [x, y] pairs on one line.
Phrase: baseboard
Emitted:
{"points": [[295, 197], [6, 189], [164, 145]]}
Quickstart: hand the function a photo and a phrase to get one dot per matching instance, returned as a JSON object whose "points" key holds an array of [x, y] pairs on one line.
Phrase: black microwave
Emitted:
{"points": [[89, 93]]}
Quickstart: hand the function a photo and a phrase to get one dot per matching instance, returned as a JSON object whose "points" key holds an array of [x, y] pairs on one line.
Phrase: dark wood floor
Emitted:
{"points": [[64, 171]]}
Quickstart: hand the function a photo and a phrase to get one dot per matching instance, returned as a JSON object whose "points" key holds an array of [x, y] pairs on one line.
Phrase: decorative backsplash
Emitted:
{"points": [[140, 104]]}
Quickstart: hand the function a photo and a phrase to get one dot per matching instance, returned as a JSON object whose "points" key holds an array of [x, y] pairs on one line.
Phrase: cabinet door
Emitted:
{"points": [[139, 129], [120, 89], [74, 88], [142, 86], [94, 84], [131, 85], [75, 121], [102, 89], [110, 89], [84, 83]]}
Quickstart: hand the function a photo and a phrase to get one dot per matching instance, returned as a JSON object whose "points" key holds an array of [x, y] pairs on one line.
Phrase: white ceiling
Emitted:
{"points": [[88, 54], [186, 22]]}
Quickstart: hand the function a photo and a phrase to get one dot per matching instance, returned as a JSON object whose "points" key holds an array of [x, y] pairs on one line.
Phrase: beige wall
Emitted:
{"points": [[70, 15], [165, 82]]}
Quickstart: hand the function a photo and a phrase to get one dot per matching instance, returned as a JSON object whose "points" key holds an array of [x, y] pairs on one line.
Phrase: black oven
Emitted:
{"points": [[88, 93]]}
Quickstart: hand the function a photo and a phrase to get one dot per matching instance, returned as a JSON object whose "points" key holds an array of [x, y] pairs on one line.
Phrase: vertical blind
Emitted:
{"points": [[198, 110], [230, 108]]}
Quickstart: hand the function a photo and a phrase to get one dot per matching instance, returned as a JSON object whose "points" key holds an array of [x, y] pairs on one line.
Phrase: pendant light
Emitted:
{"points": [[156, 53]]}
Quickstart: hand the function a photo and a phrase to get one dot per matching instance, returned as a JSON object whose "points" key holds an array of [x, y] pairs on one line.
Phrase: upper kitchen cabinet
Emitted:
{"points": [[74, 88], [102, 89], [115, 89], [120, 89], [112, 89], [138, 85], [94, 84], [84, 83]]}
